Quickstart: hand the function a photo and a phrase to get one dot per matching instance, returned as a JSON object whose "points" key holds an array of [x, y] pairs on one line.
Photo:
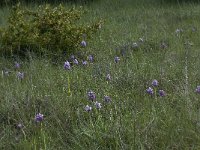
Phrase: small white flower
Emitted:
{"points": [[98, 105], [141, 40], [108, 77], [178, 31], [88, 108], [135, 45]]}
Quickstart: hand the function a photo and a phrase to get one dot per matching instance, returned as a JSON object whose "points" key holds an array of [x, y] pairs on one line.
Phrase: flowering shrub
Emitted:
{"points": [[12, 2], [45, 30]]}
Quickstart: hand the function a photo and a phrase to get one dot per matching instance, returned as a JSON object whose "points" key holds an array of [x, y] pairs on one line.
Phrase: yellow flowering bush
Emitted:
{"points": [[45, 30]]}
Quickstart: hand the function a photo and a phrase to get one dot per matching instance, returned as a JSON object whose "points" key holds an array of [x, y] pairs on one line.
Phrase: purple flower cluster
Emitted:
{"points": [[161, 93], [67, 65], [20, 75], [17, 65], [155, 84], [39, 117], [75, 61], [83, 43], [91, 97], [117, 59], [149, 91], [198, 89]]}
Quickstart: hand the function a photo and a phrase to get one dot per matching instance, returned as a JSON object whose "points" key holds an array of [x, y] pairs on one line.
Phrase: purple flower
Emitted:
{"points": [[117, 59], [149, 91], [107, 98], [90, 58], [108, 77], [98, 105], [88, 108], [198, 89], [154, 82], [83, 44], [91, 95], [20, 75], [84, 63], [162, 93], [67, 65], [17, 65], [39, 117], [75, 61]]}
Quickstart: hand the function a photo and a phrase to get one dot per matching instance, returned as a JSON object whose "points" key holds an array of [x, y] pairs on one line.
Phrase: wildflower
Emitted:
{"points": [[84, 63], [178, 31], [75, 61], [20, 75], [90, 58], [108, 77], [98, 105], [88, 108], [194, 29], [19, 126], [39, 117], [149, 91], [161, 93], [83, 43], [91, 95], [198, 89], [17, 65], [141, 40], [67, 65], [135, 45], [154, 82], [117, 59], [5, 72], [163, 45], [72, 57], [107, 98]]}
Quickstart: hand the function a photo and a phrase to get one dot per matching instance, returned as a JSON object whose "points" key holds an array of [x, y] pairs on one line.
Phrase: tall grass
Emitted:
{"points": [[133, 119]]}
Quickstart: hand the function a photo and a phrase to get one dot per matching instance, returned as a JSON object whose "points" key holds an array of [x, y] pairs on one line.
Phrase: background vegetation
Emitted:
{"points": [[153, 41]]}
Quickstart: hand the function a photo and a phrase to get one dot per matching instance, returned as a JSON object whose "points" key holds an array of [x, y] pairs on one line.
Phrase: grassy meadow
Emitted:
{"points": [[153, 40]]}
